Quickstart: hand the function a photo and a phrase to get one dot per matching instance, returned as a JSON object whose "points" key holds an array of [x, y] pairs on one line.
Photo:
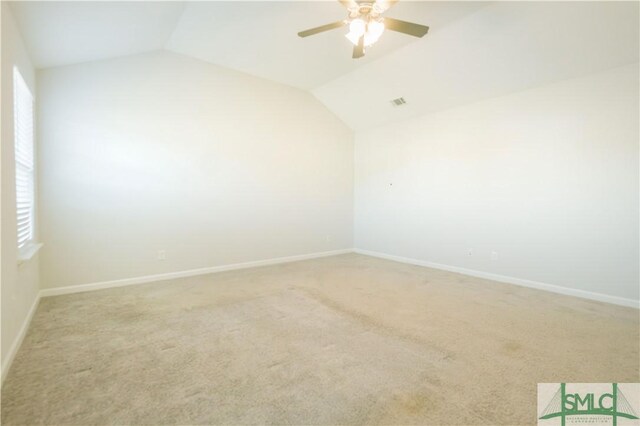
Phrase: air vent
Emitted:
{"points": [[398, 102]]}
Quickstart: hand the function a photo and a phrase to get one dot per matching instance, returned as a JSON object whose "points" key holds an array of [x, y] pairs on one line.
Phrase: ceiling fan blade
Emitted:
{"points": [[358, 51], [349, 4], [384, 5], [321, 29], [405, 27]]}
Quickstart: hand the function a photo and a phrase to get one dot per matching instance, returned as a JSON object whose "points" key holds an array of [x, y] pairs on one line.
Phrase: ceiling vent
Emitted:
{"points": [[398, 102]]}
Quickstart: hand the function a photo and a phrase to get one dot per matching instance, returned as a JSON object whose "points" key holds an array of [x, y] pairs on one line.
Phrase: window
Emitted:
{"points": [[25, 188]]}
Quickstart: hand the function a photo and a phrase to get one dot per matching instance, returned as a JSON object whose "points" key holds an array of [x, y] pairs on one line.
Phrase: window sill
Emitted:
{"points": [[25, 254]]}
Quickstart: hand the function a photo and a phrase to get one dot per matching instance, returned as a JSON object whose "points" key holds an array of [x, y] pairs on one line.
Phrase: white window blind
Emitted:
{"points": [[23, 129]]}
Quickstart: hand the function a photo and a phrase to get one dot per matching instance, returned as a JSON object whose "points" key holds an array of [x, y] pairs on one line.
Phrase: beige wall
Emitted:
{"points": [[540, 185], [19, 286], [163, 152]]}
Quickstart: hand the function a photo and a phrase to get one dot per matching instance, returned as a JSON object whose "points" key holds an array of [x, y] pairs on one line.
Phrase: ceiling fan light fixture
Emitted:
{"points": [[374, 31], [353, 37], [357, 27], [369, 40]]}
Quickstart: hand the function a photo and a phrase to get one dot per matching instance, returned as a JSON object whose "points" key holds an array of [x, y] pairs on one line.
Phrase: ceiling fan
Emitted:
{"points": [[366, 24]]}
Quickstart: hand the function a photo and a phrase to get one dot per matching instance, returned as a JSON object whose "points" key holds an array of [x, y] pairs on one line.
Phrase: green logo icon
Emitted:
{"points": [[613, 404]]}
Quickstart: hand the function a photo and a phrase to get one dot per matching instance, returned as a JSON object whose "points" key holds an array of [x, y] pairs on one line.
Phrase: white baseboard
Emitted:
{"points": [[19, 338], [509, 280], [181, 274], [146, 279], [193, 272]]}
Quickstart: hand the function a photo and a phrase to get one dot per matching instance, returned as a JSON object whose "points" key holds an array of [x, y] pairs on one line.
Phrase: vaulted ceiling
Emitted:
{"points": [[260, 37], [474, 50], [503, 48]]}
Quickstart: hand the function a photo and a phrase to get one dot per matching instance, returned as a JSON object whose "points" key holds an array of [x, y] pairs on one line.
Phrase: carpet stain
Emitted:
{"points": [[375, 324], [512, 347], [412, 404]]}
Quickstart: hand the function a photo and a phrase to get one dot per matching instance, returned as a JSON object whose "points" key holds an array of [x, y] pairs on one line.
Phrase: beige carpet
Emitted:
{"points": [[342, 340]]}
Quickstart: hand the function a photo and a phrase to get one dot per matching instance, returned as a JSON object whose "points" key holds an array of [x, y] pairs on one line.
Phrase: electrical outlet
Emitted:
{"points": [[470, 252], [162, 255], [494, 255], [328, 238]]}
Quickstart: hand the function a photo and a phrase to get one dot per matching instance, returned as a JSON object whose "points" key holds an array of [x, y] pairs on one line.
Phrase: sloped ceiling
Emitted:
{"points": [[260, 38], [256, 37], [502, 48], [474, 50], [69, 32]]}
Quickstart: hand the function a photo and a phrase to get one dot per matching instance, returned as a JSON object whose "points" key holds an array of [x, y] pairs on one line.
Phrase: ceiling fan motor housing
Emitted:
{"points": [[365, 10]]}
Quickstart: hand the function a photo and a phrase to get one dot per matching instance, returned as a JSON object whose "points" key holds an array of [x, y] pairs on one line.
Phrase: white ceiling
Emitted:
{"points": [[67, 32], [256, 37], [502, 48], [474, 50], [260, 37]]}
